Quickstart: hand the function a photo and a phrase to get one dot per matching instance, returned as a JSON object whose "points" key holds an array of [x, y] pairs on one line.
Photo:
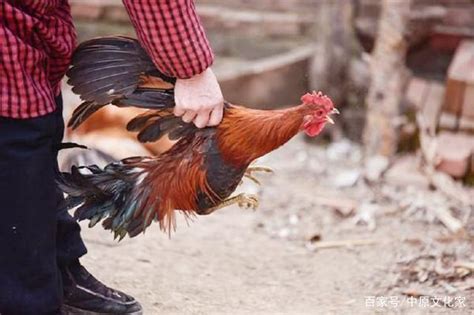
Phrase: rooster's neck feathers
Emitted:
{"points": [[247, 134]]}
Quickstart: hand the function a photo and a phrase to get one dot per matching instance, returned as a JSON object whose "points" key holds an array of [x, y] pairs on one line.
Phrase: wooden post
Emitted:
{"points": [[388, 73], [336, 41]]}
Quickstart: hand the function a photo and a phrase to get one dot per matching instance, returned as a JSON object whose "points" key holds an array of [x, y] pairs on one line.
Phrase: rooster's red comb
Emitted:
{"points": [[318, 98]]}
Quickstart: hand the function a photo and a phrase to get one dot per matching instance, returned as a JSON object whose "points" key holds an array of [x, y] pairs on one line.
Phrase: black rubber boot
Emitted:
{"points": [[85, 295]]}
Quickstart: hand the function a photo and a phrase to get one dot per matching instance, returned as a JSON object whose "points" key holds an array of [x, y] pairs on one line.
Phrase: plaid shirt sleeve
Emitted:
{"points": [[172, 34], [37, 39]]}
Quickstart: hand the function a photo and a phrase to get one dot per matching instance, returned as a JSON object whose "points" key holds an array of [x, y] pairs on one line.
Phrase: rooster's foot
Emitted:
{"points": [[250, 170], [243, 200], [247, 201]]}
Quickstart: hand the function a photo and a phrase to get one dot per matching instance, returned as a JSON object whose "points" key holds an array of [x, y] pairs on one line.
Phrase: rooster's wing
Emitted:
{"points": [[116, 70]]}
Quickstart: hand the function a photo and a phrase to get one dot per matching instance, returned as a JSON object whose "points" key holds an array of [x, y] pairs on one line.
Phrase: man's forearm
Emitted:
{"points": [[172, 34], [174, 38]]}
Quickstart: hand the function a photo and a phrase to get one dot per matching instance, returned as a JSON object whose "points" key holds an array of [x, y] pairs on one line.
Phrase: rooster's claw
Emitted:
{"points": [[248, 201]]}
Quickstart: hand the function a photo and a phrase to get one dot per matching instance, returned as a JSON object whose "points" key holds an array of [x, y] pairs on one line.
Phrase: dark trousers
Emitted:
{"points": [[35, 238]]}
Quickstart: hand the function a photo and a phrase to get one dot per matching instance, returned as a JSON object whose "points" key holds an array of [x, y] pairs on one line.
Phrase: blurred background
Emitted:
{"points": [[378, 209]]}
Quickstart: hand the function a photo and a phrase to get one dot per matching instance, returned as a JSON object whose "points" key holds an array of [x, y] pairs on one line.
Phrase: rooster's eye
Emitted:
{"points": [[319, 113]]}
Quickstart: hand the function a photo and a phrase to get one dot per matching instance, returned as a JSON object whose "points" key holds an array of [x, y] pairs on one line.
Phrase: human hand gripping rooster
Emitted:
{"points": [[199, 173]]}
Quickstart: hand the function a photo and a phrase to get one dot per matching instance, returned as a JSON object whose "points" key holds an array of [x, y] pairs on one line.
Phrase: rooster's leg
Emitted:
{"points": [[243, 200], [252, 169], [252, 178]]}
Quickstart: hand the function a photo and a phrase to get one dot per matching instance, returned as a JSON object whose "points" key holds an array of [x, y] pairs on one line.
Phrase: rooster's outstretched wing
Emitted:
{"points": [[116, 70]]}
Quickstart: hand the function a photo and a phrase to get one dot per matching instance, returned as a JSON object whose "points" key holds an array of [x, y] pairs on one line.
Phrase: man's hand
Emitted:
{"points": [[199, 99]]}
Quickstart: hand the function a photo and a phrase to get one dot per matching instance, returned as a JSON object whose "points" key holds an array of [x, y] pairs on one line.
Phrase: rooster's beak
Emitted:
{"points": [[329, 119]]}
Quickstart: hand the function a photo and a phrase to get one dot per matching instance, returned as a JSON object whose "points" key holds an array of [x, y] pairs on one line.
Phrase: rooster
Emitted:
{"points": [[199, 173]]}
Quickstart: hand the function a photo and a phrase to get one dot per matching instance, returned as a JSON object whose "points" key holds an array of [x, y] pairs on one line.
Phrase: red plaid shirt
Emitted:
{"points": [[38, 38]]}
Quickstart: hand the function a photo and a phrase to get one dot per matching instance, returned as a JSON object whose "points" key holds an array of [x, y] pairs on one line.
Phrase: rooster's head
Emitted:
{"points": [[317, 110]]}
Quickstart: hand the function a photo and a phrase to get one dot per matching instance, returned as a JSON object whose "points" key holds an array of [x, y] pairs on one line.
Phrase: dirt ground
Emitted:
{"points": [[237, 261]]}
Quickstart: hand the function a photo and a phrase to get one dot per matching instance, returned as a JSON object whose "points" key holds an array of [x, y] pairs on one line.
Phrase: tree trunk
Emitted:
{"points": [[336, 43], [388, 74], [337, 68]]}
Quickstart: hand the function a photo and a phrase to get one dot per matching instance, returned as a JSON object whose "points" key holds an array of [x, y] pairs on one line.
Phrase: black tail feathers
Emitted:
{"points": [[113, 193]]}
